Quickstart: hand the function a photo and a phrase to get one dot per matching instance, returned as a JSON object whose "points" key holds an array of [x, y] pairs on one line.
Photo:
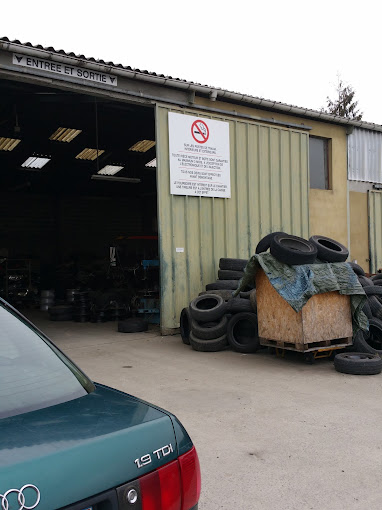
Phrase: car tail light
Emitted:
{"points": [[175, 486], [161, 489], [191, 479]]}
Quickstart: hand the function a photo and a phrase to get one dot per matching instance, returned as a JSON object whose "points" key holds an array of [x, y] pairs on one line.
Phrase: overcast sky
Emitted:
{"points": [[289, 51]]}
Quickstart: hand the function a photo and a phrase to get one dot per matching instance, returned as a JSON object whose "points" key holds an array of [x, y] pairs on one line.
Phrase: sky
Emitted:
{"points": [[290, 51]]}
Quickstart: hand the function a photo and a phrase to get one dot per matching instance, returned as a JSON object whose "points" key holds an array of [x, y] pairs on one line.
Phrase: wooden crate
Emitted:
{"points": [[325, 321]]}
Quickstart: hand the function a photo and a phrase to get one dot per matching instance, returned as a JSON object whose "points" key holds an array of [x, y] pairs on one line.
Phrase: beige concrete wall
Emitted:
{"points": [[327, 208], [359, 229]]}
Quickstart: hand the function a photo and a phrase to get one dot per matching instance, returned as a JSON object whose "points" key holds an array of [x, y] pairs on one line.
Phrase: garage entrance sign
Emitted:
{"points": [[69, 71], [199, 156]]}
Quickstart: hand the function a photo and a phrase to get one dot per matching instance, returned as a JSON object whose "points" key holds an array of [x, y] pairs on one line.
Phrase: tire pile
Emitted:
{"points": [[215, 320], [293, 250], [367, 342], [229, 274]]}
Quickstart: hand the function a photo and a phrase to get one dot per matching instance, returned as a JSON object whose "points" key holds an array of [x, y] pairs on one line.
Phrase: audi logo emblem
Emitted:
{"points": [[5, 505]]}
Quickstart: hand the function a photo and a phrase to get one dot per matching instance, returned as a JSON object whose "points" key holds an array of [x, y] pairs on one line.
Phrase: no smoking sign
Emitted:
{"points": [[200, 132]]}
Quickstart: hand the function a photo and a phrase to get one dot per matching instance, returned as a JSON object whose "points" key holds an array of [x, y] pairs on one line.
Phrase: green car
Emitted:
{"points": [[70, 444]]}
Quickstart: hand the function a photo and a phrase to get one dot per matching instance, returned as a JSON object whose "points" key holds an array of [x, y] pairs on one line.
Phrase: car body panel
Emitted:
{"points": [[80, 448]]}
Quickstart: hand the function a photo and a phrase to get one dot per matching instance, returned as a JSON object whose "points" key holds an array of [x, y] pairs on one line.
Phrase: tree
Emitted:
{"points": [[344, 104]]}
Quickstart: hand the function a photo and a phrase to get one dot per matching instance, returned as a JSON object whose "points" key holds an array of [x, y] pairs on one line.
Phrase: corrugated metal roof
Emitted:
{"points": [[214, 92]]}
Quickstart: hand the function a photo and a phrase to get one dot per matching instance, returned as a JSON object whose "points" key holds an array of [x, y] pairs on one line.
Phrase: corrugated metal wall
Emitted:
{"points": [[365, 156], [269, 191], [375, 230]]}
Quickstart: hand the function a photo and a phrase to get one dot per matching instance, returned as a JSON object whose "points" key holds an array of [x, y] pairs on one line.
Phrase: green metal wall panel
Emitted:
{"points": [[375, 230], [269, 192]]}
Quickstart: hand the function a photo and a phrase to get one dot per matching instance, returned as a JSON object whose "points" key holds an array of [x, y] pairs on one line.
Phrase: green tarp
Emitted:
{"points": [[296, 284]]}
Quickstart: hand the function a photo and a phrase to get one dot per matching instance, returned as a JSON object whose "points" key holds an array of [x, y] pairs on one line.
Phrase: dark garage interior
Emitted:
{"points": [[76, 222]]}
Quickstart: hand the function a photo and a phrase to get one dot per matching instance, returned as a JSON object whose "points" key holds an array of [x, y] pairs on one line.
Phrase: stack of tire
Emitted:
{"points": [[370, 342], [47, 299], [229, 274], [294, 250], [215, 322], [81, 306]]}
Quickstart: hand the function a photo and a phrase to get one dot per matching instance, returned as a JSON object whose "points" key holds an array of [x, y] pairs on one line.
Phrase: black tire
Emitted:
{"points": [[245, 295], [377, 277], [226, 294], [329, 250], [133, 325], [375, 307], [357, 269], [253, 300], [367, 309], [224, 274], [265, 242], [209, 330], [358, 363], [362, 339], [365, 282], [207, 308], [223, 284], [373, 290], [185, 325], [218, 344], [293, 250], [242, 332], [238, 305], [378, 283], [233, 264]]}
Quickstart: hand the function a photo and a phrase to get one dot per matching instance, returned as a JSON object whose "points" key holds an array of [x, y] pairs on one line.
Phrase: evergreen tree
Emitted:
{"points": [[344, 104]]}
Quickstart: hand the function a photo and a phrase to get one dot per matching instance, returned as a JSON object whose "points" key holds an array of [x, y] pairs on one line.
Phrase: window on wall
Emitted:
{"points": [[319, 162]]}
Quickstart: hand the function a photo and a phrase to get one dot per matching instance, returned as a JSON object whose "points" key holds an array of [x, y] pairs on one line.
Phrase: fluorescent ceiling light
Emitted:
{"points": [[110, 170], [8, 144], [142, 146], [89, 154], [152, 163], [65, 134], [118, 179], [35, 163]]}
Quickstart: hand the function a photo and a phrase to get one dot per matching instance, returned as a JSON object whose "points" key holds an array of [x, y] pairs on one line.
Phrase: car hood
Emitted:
{"points": [[74, 450]]}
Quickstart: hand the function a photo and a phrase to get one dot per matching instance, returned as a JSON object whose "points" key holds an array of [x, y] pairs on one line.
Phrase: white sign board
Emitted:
{"points": [[199, 156], [64, 69]]}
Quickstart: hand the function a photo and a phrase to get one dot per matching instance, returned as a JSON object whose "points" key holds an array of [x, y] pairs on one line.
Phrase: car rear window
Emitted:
{"points": [[33, 373]]}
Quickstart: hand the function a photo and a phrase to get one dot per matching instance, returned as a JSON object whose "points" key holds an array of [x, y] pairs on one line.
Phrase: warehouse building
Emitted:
{"points": [[134, 183]]}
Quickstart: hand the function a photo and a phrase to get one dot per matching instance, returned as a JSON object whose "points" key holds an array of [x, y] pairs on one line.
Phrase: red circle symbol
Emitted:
{"points": [[200, 131]]}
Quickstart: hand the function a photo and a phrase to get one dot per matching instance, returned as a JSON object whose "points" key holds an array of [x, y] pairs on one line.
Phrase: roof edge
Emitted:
{"points": [[213, 92]]}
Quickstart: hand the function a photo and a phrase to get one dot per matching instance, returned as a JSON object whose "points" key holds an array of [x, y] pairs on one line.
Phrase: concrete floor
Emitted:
{"points": [[271, 433]]}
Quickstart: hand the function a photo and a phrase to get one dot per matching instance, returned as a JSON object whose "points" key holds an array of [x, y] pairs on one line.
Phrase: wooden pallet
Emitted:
{"points": [[337, 343]]}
